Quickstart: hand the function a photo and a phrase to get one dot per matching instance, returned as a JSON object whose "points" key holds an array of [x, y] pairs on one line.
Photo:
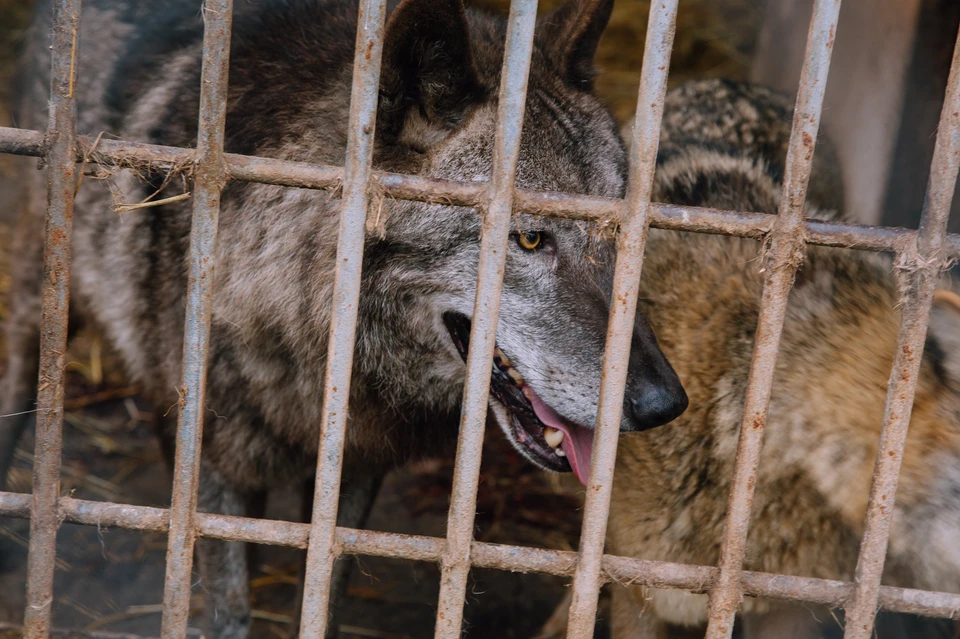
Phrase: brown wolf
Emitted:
{"points": [[290, 70], [702, 295]]}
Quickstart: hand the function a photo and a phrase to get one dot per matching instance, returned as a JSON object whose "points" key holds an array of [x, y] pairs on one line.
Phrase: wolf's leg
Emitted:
{"points": [[223, 564], [358, 491], [306, 508], [255, 506], [22, 328], [18, 399], [783, 622], [556, 626], [631, 617]]}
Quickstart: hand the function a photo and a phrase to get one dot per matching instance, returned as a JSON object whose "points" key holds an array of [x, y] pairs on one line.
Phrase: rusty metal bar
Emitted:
{"points": [[920, 266], [209, 179], [24, 142], [409, 187], [323, 548], [622, 570], [494, 235], [67, 633], [786, 252], [631, 240], [61, 187]]}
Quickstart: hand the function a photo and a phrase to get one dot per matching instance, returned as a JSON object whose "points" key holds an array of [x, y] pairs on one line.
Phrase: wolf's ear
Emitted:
{"points": [[427, 65], [569, 36]]}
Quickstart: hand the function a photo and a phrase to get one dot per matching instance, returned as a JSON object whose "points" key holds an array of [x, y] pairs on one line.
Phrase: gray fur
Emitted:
{"points": [[289, 95]]}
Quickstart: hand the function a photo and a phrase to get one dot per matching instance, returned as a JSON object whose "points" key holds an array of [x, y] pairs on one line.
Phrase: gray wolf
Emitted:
{"points": [[290, 72], [701, 293]]}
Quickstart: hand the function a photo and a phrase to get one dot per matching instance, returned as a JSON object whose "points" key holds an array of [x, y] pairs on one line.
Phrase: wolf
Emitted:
{"points": [[290, 75], [723, 145]]}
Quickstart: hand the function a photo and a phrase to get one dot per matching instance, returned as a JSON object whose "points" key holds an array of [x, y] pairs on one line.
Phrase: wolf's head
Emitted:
{"points": [[441, 71]]}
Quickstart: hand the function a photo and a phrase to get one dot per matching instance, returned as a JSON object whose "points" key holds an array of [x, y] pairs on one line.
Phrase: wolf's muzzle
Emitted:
{"points": [[657, 404]]}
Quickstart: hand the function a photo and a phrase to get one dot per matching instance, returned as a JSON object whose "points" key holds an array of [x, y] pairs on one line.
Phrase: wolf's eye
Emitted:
{"points": [[529, 240]]}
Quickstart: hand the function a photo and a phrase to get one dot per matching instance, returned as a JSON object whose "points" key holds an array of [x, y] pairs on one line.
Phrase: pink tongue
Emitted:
{"points": [[577, 442]]}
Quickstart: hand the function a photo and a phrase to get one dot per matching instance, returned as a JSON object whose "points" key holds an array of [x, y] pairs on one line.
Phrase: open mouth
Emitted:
{"points": [[543, 436]]}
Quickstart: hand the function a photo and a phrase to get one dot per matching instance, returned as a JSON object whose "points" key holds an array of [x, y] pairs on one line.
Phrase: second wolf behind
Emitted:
{"points": [[723, 146]]}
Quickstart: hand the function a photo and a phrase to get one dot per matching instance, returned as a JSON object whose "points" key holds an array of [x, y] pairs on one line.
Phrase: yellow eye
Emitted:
{"points": [[529, 240]]}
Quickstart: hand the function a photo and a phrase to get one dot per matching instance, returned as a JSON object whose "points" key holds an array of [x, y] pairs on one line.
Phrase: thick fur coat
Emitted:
{"points": [[723, 146]]}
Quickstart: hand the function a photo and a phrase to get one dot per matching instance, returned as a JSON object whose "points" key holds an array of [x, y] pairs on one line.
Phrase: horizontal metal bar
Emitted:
{"points": [[408, 187], [61, 188], [70, 633], [622, 570], [922, 264]]}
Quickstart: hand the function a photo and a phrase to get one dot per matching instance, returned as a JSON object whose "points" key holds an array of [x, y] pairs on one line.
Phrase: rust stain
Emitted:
{"points": [[57, 236], [808, 143]]}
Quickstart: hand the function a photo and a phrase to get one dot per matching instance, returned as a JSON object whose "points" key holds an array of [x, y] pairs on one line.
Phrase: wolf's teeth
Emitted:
{"points": [[553, 436], [503, 358], [559, 452], [515, 375]]}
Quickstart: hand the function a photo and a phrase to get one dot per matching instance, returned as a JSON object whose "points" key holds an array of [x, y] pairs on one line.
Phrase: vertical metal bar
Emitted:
{"points": [[495, 233], [623, 308], [922, 267], [323, 549], [209, 179], [61, 185], [786, 250]]}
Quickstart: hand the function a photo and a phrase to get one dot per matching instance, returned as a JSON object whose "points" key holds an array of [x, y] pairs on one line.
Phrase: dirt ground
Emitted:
{"points": [[111, 581]]}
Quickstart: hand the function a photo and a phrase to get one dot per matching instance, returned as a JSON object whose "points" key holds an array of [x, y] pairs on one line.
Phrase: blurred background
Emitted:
{"points": [[881, 110]]}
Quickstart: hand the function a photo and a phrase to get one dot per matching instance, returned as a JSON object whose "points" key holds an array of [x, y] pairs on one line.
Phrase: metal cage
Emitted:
{"points": [[929, 249]]}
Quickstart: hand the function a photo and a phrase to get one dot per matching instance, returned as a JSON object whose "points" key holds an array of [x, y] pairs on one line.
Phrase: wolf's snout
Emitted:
{"points": [[657, 404]]}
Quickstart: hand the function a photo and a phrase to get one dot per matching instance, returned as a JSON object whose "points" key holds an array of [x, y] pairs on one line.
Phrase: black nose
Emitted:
{"points": [[657, 404]]}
